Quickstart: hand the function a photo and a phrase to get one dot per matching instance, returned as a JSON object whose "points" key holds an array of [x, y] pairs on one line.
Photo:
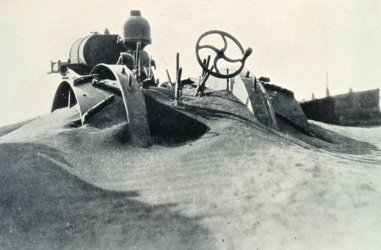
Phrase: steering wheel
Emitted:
{"points": [[220, 54]]}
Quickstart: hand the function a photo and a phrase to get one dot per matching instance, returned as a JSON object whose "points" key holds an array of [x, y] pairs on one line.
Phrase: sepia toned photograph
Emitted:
{"points": [[190, 124]]}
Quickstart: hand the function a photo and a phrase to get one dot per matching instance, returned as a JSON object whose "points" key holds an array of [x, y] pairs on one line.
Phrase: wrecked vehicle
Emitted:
{"points": [[111, 80]]}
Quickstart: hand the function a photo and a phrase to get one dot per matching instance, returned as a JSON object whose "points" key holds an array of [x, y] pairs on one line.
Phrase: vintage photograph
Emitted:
{"points": [[190, 124]]}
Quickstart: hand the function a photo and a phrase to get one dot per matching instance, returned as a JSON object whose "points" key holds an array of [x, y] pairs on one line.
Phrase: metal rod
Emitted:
{"points": [[169, 77], [177, 63], [201, 86], [69, 99], [103, 85], [178, 76], [206, 65], [95, 109], [149, 67], [177, 87], [227, 80], [84, 79], [138, 60], [203, 70]]}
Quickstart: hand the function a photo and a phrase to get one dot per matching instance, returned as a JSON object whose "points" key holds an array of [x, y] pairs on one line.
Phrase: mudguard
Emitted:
{"points": [[80, 90], [85, 95], [133, 99], [252, 93]]}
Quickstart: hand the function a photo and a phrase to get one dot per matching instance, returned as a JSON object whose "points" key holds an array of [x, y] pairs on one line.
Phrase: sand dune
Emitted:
{"points": [[237, 187], [45, 207]]}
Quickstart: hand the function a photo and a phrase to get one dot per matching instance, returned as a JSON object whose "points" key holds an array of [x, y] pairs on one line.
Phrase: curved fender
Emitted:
{"points": [[85, 95], [133, 99], [251, 93], [72, 91]]}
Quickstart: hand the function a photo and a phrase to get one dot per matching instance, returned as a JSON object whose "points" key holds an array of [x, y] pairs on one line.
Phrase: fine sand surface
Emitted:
{"points": [[237, 187]]}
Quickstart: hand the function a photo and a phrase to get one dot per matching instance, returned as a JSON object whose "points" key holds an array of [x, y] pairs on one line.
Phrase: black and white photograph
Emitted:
{"points": [[173, 125]]}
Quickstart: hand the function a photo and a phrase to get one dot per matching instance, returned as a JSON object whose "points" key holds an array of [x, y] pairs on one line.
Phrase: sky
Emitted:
{"points": [[294, 42]]}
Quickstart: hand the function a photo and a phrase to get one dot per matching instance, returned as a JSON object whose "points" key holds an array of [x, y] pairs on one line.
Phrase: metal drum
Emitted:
{"points": [[95, 49]]}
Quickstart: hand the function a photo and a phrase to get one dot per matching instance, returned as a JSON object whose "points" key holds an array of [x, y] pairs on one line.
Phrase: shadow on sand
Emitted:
{"points": [[42, 206]]}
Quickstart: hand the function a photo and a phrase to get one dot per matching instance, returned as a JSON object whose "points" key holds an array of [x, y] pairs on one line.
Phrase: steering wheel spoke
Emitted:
{"points": [[225, 43], [215, 63], [220, 54], [209, 47], [230, 60]]}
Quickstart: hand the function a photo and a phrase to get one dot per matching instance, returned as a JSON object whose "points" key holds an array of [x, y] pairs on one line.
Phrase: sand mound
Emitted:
{"points": [[238, 186], [45, 207], [12, 127]]}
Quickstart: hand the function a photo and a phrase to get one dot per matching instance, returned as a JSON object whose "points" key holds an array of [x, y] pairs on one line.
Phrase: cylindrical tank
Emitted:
{"points": [[137, 29], [95, 49]]}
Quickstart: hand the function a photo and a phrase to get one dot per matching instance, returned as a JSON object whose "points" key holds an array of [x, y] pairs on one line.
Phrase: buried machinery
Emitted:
{"points": [[105, 71]]}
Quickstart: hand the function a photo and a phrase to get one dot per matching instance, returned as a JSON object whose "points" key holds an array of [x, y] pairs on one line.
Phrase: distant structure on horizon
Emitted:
{"points": [[352, 109]]}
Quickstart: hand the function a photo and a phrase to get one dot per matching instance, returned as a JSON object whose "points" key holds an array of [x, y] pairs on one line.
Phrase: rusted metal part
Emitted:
{"points": [[137, 29], [169, 78], [227, 80], [112, 78], [83, 94], [178, 87], [127, 59], [206, 63], [107, 85], [68, 94], [286, 107], [55, 66], [268, 106], [92, 111], [149, 67], [136, 114], [177, 62], [94, 49], [137, 60], [201, 87], [252, 94], [220, 54], [178, 79], [84, 79]]}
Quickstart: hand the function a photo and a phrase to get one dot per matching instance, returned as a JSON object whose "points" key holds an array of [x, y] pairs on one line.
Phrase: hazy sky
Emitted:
{"points": [[294, 42]]}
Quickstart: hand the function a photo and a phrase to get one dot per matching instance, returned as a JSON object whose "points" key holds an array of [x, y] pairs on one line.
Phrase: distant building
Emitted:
{"points": [[351, 109]]}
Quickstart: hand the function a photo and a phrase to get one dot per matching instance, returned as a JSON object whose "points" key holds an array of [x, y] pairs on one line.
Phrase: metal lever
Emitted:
{"points": [[137, 60], [178, 79], [206, 63], [247, 54], [177, 87], [201, 87]]}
